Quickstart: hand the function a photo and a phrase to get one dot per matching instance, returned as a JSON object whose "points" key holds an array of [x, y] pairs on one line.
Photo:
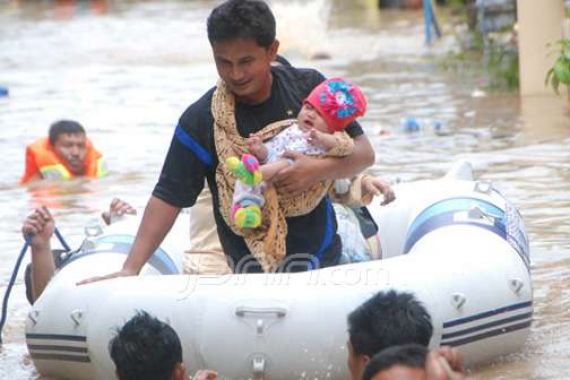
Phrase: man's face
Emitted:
{"points": [[356, 363], [71, 148], [245, 67]]}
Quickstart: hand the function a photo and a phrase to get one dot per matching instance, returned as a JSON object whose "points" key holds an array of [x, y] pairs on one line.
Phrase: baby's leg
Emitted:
{"points": [[270, 170]]}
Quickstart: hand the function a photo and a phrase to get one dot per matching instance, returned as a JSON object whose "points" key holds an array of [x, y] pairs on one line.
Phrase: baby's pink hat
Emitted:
{"points": [[338, 101]]}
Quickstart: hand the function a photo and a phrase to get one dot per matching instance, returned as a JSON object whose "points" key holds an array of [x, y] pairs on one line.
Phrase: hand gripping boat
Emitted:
{"points": [[457, 244]]}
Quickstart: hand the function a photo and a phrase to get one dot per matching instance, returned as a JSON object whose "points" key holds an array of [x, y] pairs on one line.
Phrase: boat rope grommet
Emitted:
{"points": [[516, 284], [478, 213], [93, 230], [458, 300], [76, 316], [33, 316], [483, 186]]}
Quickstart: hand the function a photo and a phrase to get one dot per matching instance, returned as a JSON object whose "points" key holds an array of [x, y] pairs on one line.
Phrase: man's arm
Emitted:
{"points": [[157, 220], [40, 226], [307, 171]]}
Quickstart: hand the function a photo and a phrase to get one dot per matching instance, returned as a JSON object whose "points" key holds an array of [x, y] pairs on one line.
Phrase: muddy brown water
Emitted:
{"points": [[127, 69]]}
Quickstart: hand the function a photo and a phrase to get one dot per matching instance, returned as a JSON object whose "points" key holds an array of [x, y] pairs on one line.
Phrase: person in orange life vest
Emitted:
{"points": [[66, 153]]}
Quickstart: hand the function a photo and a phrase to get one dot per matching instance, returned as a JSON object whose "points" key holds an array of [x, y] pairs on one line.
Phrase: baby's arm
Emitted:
{"points": [[325, 141], [256, 147], [337, 145]]}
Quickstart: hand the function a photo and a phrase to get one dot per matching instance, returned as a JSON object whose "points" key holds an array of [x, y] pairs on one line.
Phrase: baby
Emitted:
{"points": [[317, 131]]}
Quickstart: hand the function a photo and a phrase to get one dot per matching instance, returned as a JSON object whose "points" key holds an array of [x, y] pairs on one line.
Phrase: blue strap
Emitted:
{"points": [[62, 240], [328, 237], [15, 274], [185, 139], [11, 283]]}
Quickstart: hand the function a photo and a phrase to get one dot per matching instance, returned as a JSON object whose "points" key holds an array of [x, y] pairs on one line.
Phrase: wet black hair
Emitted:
{"points": [[408, 355], [145, 348], [64, 126], [388, 319], [242, 19]]}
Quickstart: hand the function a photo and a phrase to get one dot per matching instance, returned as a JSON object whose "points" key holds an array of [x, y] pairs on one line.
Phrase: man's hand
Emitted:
{"points": [[121, 273], [299, 176], [376, 186], [445, 363], [40, 225], [205, 374], [118, 207]]}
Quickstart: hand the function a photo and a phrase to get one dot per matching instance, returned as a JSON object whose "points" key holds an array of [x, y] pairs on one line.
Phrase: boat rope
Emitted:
{"points": [[62, 240], [15, 271]]}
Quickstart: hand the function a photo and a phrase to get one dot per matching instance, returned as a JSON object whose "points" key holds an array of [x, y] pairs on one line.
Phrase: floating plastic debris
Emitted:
{"points": [[411, 124]]}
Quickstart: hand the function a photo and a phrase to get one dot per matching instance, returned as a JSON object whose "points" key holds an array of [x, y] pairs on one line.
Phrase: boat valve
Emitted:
{"points": [[516, 285], [259, 326], [458, 300]]}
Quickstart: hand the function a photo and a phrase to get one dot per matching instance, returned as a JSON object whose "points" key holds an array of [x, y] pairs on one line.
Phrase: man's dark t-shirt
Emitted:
{"points": [[192, 157]]}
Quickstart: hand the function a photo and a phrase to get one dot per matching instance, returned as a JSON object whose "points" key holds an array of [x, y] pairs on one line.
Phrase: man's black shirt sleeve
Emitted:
{"points": [[189, 158]]}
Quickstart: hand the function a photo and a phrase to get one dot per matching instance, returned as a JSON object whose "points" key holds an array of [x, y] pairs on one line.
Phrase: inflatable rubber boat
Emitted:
{"points": [[456, 243]]}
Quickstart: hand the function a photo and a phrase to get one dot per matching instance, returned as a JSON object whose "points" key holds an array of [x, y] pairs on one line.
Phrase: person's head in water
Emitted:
{"points": [[242, 36], [398, 362], [146, 348], [69, 141], [385, 320]]}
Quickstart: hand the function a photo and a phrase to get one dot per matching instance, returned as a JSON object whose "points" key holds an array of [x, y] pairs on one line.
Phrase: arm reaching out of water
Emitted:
{"points": [[307, 171], [157, 220], [118, 207], [40, 225]]}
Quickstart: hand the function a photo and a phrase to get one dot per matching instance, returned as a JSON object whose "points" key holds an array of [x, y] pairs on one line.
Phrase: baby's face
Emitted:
{"points": [[309, 118]]}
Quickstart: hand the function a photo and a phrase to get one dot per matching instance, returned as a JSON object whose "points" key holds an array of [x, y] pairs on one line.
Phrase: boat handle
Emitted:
{"points": [[279, 312]]}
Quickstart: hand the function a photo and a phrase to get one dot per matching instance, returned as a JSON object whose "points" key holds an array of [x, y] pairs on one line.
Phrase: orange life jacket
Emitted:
{"points": [[41, 158]]}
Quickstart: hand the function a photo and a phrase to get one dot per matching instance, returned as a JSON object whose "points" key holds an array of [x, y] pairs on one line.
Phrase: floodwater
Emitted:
{"points": [[127, 69]]}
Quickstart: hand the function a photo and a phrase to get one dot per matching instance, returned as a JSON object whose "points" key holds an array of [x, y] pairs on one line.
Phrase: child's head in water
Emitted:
{"points": [[332, 106]]}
